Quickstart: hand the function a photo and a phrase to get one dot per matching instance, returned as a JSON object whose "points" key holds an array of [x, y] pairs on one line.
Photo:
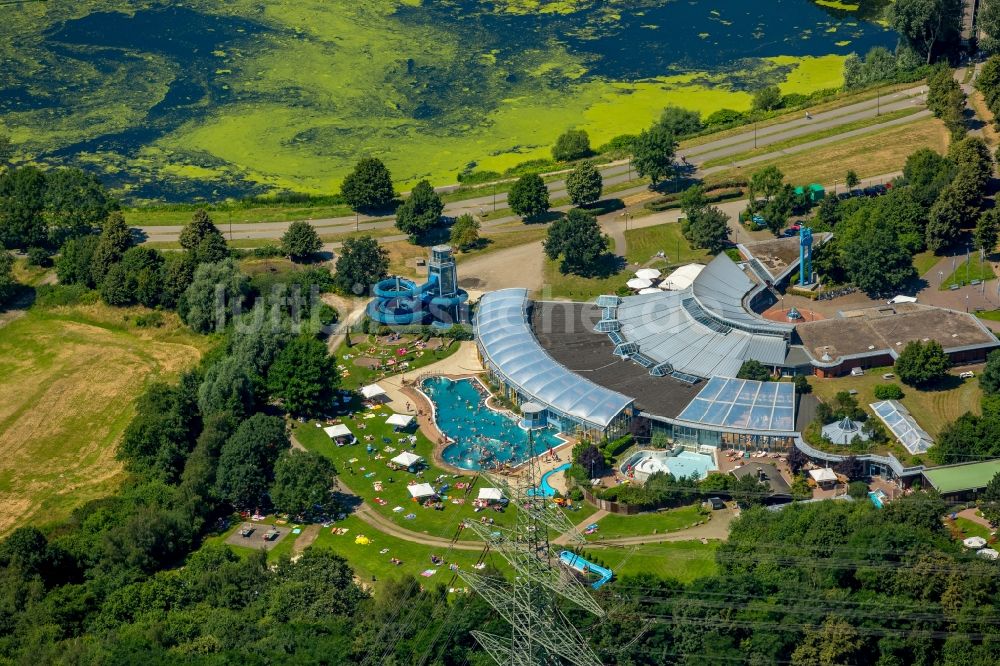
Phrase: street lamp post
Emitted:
{"points": [[357, 221]]}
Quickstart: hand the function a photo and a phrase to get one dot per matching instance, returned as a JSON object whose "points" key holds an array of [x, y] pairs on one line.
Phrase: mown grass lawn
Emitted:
{"points": [[69, 377], [615, 526], [933, 409], [644, 244], [968, 270], [360, 477], [355, 374], [684, 561], [969, 528]]}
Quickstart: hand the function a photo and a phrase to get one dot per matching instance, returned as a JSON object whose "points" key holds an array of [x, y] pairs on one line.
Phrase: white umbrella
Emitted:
{"points": [[639, 283], [647, 273], [649, 290], [974, 542]]}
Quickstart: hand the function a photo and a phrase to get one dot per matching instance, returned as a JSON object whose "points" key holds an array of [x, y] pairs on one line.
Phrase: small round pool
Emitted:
{"points": [[483, 438]]}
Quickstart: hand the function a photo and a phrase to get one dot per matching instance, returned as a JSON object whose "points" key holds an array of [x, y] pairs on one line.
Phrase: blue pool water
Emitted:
{"points": [[876, 497], [688, 464], [545, 488], [484, 439]]}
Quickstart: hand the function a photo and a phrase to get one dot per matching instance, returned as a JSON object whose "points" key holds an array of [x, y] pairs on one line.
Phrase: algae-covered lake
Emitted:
{"points": [[212, 99]]}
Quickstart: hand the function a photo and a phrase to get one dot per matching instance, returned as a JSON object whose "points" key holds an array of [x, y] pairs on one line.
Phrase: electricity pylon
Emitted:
{"points": [[540, 634]]}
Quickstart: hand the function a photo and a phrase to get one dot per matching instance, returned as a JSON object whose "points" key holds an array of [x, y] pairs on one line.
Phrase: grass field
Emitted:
{"points": [[394, 489], [643, 244], [869, 155], [615, 526], [684, 561], [924, 262], [68, 377], [355, 375], [966, 271], [932, 409], [969, 528], [814, 136]]}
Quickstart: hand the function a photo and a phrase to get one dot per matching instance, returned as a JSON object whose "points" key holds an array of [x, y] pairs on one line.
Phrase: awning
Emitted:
{"points": [[372, 391], [339, 430], [823, 475], [647, 273], [974, 542], [399, 420], [639, 283], [419, 490], [988, 553], [407, 459], [648, 290], [490, 494]]}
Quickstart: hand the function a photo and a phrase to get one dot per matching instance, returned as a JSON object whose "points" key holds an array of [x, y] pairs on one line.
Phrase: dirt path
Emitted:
{"points": [[518, 266], [305, 540]]}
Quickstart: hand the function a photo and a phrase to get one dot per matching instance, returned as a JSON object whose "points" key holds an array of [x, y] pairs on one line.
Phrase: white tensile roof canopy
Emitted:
{"points": [[823, 475], [490, 494], [407, 459], [372, 391], [419, 490], [339, 430], [399, 420]]}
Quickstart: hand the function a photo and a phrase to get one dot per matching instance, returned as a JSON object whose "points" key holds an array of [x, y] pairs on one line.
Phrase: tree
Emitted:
{"points": [[302, 483], [421, 210], [927, 173], [578, 239], [988, 23], [584, 184], [22, 204], [199, 228], [465, 232], [754, 370], [974, 168], [653, 153], [947, 217], [946, 99], [303, 376], [874, 259], [680, 122], [362, 263], [833, 644], [115, 240], [8, 286], [215, 294], [300, 241], [369, 186], [851, 179], [75, 261], [708, 229], [989, 378], [767, 98], [228, 388], [157, 440], [920, 364], [926, 24], [178, 274], [571, 145], [529, 197], [988, 230], [246, 462], [777, 210], [75, 202], [766, 183]]}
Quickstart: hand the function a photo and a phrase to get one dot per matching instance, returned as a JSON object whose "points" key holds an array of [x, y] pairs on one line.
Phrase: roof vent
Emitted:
{"points": [[926, 339], [954, 335], [871, 347], [899, 344], [826, 358]]}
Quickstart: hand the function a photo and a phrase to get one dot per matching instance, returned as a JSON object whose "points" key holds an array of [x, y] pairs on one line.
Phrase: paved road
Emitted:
{"points": [[615, 173]]}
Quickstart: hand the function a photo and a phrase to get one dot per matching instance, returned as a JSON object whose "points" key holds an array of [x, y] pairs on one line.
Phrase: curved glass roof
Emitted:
{"points": [[903, 426], [504, 334], [743, 403]]}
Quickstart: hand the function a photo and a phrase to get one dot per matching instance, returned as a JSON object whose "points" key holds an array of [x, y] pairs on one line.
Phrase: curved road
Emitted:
{"points": [[620, 172]]}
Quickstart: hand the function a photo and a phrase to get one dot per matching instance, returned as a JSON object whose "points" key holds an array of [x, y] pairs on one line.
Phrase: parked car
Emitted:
{"points": [[968, 374]]}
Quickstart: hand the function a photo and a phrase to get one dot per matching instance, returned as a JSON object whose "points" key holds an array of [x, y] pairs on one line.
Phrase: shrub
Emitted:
{"points": [[571, 145], [857, 489], [39, 256], [888, 391], [53, 295]]}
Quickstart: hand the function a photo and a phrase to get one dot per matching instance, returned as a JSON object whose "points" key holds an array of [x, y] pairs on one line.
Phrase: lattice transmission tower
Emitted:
{"points": [[540, 633]]}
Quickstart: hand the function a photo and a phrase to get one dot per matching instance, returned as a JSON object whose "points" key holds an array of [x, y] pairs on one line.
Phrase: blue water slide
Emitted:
{"points": [[578, 563]]}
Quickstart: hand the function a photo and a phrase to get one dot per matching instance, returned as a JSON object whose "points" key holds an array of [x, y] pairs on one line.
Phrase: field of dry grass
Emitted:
{"points": [[69, 377], [868, 155]]}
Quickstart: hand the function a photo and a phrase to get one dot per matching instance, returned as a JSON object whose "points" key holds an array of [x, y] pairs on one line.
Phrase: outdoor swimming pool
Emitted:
{"points": [[544, 487], [483, 437], [685, 464]]}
